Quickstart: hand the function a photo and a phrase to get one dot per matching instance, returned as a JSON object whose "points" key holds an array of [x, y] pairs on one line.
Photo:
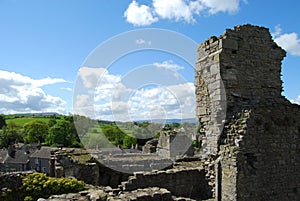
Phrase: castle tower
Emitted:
{"points": [[245, 121]]}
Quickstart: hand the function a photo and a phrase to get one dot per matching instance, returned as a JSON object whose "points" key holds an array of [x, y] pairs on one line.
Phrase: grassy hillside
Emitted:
{"points": [[20, 120]]}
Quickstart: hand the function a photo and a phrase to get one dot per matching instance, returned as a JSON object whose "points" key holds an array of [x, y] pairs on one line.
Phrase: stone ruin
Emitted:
{"points": [[174, 144], [250, 133]]}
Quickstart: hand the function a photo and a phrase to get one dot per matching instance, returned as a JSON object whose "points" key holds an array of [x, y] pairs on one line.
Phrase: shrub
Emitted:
{"points": [[38, 185]]}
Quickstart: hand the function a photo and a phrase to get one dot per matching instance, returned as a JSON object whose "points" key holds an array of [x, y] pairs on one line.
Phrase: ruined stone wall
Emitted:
{"points": [[239, 69], [268, 158], [185, 182], [210, 94], [83, 166], [174, 144], [245, 120]]}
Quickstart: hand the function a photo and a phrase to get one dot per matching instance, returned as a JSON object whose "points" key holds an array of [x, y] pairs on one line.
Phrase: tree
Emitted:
{"points": [[52, 122], [9, 135], [83, 124], [64, 133], [2, 121], [60, 134], [128, 141], [113, 134], [36, 131]]}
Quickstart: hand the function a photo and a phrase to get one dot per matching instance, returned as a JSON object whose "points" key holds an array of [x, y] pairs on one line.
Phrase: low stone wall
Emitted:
{"points": [[187, 182]]}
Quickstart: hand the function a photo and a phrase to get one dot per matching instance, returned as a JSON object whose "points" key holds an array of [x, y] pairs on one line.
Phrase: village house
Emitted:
{"points": [[23, 157], [15, 158], [40, 159]]}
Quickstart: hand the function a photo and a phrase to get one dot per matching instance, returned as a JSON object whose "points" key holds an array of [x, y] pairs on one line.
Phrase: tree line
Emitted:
{"points": [[61, 131], [52, 133]]}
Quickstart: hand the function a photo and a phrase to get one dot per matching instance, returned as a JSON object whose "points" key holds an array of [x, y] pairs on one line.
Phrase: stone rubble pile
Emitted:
{"points": [[109, 194]]}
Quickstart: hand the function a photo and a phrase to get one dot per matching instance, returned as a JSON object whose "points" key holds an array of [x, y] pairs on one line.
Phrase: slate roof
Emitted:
{"points": [[43, 152], [20, 157], [19, 154]]}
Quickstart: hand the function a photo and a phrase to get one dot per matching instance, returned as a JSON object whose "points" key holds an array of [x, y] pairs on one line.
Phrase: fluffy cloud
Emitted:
{"points": [[178, 10], [19, 93], [170, 65], [96, 91], [92, 76], [113, 100], [289, 41], [139, 15], [215, 6], [84, 105], [160, 102], [163, 102]]}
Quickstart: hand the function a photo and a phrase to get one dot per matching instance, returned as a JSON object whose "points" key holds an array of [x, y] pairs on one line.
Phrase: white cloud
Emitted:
{"points": [[90, 76], [170, 65], [47, 81], [66, 88], [96, 89], [113, 100], [19, 93], [83, 100], [215, 6], [175, 101], [142, 42], [83, 105], [289, 41], [296, 101], [277, 32], [139, 15], [178, 10]]}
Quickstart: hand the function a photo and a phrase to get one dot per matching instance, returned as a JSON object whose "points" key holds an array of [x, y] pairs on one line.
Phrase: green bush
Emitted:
{"points": [[38, 185]]}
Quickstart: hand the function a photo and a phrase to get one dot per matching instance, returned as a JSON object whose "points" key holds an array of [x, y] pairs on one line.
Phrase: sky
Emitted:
{"points": [[122, 59]]}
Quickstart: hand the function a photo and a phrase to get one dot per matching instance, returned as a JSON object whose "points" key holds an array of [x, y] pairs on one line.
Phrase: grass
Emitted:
{"points": [[21, 121], [93, 140]]}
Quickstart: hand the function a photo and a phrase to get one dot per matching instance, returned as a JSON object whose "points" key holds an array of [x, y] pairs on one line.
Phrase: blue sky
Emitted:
{"points": [[45, 46]]}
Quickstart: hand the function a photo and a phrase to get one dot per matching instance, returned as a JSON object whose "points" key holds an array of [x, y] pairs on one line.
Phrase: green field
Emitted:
{"points": [[21, 121]]}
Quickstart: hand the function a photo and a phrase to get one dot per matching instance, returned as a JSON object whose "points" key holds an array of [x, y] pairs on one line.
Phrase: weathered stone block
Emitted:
{"points": [[228, 44], [201, 111]]}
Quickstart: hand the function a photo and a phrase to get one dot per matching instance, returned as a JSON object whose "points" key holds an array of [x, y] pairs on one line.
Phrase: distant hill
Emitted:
{"points": [[170, 121], [39, 114]]}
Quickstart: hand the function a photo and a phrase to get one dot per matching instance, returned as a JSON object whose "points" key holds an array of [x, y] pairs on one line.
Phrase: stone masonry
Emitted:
{"points": [[174, 144], [185, 182], [247, 126]]}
